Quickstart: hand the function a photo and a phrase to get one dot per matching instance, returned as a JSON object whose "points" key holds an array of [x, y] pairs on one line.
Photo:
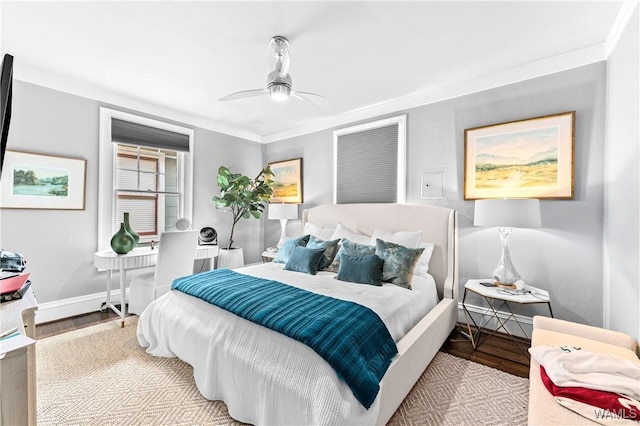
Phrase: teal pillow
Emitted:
{"points": [[399, 262], [360, 269], [287, 247], [352, 249], [304, 259], [330, 250]]}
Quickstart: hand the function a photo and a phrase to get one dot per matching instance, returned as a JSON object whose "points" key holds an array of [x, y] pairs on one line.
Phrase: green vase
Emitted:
{"points": [[122, 242], [133, 233]]}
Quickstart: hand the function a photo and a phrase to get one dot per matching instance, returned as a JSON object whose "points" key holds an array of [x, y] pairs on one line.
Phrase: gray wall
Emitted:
{"points": [[622, 204], [565, 256], [58, 245]]}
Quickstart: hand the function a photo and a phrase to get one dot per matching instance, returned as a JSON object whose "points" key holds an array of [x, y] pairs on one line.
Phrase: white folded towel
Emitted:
{"points": [[571, 366]]}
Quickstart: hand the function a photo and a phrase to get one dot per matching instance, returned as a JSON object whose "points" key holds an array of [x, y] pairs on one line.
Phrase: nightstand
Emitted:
{"points": [[497, 298], [268, 256]]}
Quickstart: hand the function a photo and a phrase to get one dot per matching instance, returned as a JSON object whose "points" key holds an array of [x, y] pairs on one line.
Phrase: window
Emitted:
{"points": [[145, 170], [370, 162]]}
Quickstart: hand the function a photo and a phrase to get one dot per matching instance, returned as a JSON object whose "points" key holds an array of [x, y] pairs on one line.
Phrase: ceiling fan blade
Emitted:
{"points": [[244, 94], [305, 96]]}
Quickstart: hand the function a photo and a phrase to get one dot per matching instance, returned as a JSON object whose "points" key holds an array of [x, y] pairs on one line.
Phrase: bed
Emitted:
{"points": [[265, 377]]}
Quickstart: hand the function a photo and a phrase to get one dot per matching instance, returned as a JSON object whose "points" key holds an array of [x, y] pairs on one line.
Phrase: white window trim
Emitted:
{"points": [[401, 121], [107, 183]]}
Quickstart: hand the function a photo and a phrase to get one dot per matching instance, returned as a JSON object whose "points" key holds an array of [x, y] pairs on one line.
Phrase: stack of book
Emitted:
{"points": [[13, 285]]}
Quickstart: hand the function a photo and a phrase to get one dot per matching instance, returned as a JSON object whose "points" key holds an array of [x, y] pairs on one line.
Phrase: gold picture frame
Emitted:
{"points": [[36, 181], [532, 158], [287, 181]]}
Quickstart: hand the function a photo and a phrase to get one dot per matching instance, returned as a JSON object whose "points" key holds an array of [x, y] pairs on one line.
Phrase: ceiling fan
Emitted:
{"points": [[278, 81]]}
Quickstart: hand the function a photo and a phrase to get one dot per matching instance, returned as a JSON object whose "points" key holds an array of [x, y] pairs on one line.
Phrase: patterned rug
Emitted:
{"points": [[101, 376]]}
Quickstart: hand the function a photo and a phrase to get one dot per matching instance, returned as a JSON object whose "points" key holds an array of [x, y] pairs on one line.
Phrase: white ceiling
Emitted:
{"points": [[366, 57]]}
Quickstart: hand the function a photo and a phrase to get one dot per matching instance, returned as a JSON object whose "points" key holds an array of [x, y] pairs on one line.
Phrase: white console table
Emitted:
{"points": [[139, 257], [18, 361]]}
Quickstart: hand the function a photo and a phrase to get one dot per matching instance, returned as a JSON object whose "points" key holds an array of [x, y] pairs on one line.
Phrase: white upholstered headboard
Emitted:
{"points": [[438, 225]]}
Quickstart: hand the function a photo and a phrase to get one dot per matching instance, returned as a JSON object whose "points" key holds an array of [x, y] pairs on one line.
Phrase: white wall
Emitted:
{"points": [[622, 184], [565, 257], [59, 245]]}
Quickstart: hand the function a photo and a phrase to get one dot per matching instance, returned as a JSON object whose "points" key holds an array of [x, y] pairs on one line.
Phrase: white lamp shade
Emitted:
{"points": [[508, 213], [283, 211]]}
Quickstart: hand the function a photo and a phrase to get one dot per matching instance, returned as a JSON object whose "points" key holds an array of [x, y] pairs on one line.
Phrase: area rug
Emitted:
{"points": [[100, 376]]}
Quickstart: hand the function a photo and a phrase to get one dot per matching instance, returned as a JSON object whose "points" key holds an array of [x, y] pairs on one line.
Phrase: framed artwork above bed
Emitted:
{"points": [[287, 181], [530, 158]]}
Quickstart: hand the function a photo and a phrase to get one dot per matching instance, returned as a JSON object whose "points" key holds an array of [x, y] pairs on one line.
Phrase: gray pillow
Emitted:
{"points": [[399, 262]]}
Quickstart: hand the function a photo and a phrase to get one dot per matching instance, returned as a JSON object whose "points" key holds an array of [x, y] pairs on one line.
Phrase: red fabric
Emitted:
{"points": [[599, 399]]}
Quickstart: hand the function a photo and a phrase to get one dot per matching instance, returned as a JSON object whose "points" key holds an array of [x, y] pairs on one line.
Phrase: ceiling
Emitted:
{"points": [[367, 58]]}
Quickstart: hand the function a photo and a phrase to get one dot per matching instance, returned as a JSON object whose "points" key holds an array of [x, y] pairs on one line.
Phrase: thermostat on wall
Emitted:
{"points": [[432, 184]]}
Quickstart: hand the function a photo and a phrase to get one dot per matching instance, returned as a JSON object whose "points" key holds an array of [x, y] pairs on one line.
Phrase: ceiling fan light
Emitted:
{"points": [[279, 92]]}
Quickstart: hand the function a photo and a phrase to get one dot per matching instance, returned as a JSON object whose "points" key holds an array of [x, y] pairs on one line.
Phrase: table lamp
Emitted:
{"points": [[283, 212], [506, 214]]}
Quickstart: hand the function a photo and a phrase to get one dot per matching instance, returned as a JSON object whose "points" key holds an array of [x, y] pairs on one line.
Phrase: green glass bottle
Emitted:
{"points": [[133, 233], [122, 242]]}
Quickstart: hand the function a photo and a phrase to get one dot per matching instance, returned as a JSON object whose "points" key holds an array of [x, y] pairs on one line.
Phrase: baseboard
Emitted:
{"points": [[478, 312], [65, 308]]}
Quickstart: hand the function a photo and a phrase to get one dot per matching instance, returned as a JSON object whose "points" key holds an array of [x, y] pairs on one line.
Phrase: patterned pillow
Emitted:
{"points": [[330, 250], [399, 262], [352, 249], [287, 247]]}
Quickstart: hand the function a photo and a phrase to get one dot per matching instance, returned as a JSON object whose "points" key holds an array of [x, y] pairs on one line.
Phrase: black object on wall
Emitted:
{"points": [[6, 89]]}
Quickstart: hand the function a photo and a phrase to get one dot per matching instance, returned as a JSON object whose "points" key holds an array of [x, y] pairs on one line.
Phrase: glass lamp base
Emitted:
{"points": [[505, 274]]}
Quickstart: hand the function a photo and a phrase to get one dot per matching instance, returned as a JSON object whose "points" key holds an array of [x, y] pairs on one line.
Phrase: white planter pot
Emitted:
{"points": [[230, 258]]}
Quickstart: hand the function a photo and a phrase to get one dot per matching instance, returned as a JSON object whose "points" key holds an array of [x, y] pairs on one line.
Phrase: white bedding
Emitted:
{"points": [[264, 376]]}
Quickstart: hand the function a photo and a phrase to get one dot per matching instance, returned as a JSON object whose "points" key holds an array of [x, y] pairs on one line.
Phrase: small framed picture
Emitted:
{"points": [[530, 158], [34, 181], [287, 181]]}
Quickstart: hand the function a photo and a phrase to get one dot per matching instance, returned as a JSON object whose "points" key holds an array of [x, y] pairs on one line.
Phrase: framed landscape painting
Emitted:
{"points": [[33, 181], [530, 158], [287, 181]]}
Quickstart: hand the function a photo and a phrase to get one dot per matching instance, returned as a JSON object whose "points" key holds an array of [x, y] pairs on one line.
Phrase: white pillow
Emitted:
{"points": [[355, 236], [422, 267], [319, 232], [409, 239]]}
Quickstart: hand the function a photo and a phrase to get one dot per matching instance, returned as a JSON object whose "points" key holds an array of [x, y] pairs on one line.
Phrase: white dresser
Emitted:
{"points": [[18, 361]]}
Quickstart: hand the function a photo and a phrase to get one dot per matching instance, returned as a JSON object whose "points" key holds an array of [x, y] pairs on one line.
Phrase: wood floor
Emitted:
{"points": [[498, 352]]}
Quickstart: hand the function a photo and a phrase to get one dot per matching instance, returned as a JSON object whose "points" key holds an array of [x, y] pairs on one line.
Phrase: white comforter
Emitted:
{"points": [[263, 376]]}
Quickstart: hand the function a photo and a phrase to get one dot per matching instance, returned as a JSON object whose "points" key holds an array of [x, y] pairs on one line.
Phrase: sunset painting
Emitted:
{"points": [[287, 181]]}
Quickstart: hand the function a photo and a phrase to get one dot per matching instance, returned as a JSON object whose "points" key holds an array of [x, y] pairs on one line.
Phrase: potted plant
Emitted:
{"points": [[244, 198]]}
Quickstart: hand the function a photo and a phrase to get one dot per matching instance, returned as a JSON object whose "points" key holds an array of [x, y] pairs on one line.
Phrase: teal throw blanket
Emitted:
{"points": [[350, 337]]}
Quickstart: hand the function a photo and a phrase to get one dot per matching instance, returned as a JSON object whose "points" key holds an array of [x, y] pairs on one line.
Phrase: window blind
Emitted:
{"points": [[367, 166], [127, 132]]}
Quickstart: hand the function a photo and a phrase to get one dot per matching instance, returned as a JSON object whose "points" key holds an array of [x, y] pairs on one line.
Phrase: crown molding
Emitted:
{"points": [[87, 90], [452, 90], [624, 15], [485, 81]]}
